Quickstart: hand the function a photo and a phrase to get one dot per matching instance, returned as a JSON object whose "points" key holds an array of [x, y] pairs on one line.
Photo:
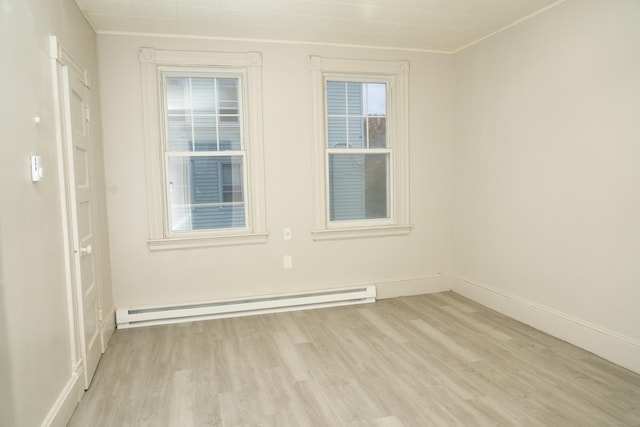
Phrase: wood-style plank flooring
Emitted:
{"points": [[429, 360]]}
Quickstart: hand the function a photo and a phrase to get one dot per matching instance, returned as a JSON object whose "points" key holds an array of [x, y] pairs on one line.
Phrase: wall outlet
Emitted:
{"points": [[287, 262]]}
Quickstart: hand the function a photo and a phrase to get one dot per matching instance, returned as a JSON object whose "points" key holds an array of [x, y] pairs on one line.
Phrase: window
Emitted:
{"points": [[360, 148], [204, 148], [204, 154], [357, 150]]}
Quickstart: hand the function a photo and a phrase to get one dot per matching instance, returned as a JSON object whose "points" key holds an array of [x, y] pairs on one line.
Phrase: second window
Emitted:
{"points": [[357, 149]]}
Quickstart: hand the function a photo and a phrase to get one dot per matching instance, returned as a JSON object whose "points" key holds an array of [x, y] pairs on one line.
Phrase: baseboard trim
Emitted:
{"points": [[613, 346], [413, 286], [62, 409]]}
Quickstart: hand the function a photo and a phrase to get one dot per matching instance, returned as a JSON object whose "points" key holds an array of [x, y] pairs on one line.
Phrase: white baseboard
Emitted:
{"points": [[108, 327], [61, 411], [613, 346], [413, 286]]}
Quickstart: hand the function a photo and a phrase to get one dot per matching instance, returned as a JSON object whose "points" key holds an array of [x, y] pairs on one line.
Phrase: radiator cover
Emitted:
{"points": [[136, 317]]}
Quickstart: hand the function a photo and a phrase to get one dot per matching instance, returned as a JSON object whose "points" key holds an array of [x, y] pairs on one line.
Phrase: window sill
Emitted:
{"points": [[361, 232], [207, 241]]}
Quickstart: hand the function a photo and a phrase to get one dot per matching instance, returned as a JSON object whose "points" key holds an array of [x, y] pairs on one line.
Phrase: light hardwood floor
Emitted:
{"points": [[429, 360]]}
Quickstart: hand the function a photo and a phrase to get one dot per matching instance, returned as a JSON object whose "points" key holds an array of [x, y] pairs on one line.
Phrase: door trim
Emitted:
{"points": [[57, 53], [64, 68]]}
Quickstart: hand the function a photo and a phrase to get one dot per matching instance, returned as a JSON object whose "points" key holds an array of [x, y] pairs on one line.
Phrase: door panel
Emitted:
{"points": [[78, 147]]}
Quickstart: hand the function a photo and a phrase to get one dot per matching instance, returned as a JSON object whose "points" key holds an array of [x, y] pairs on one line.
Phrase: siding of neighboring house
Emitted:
{"points": [[207, 187], [346, 171], [346, 187]]}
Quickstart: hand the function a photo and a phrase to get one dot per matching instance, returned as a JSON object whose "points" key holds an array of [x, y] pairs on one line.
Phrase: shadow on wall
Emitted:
{"points": [[6, 395]]}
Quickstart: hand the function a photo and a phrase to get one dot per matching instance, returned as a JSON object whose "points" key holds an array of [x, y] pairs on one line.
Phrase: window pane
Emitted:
{"points": [[376, 186], [178, 100], [228, 96], [180, 136], [336, 98], [206, 192], [357, 135], [376, 99], [355, 96], [205, 133], [377, 129], [232, 182], [229, 137], [358, 186], [203, 95], [337, 132], [205, 138]]}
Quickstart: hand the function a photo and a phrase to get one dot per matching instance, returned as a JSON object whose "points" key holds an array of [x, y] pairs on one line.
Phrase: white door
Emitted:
{"points": [[79, 183]]}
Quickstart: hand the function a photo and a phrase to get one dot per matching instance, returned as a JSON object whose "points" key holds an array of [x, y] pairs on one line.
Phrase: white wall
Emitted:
{"points": [[35, 355], [547, 167], [142, 278], [545, 201]]}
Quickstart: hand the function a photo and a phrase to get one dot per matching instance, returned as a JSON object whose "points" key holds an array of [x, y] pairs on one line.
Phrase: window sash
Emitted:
{"points": [[221, 119], [171, 206], [360, 117], [390, 181]]}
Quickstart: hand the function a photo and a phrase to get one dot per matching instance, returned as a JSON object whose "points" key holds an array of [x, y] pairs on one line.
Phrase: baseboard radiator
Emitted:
{"points": [[136, 317]]}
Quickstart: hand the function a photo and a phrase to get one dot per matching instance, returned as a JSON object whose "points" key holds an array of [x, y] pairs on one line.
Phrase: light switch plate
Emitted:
{"points": [[36, 168]]}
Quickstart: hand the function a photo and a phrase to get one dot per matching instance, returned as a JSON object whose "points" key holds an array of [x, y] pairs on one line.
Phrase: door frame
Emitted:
{"points": [[64, 66]]}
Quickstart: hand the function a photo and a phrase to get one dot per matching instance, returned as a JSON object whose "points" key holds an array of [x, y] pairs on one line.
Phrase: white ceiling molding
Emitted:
{"points": [[440, 26]]}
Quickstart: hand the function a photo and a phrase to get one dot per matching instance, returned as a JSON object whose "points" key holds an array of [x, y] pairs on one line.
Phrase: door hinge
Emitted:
{"points": [[100, 314], [87, 114]]}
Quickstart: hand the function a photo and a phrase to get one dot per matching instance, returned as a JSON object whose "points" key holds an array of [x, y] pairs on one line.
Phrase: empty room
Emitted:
{"points": [[320, 213]]}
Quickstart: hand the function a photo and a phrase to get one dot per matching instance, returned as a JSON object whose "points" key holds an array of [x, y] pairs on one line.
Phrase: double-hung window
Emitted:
{"points": [[357, 153], [204, 152], [204, 148], [360, 148]]}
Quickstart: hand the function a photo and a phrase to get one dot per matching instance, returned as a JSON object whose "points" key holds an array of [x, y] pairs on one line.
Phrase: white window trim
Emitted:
{"points": [[152, 60], [396, 73]]}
